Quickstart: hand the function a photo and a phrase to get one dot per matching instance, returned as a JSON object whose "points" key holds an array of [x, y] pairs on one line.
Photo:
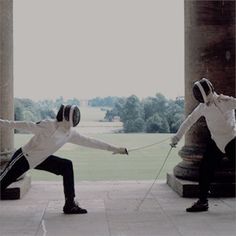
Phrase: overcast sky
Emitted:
{"points": [[89, 48]]}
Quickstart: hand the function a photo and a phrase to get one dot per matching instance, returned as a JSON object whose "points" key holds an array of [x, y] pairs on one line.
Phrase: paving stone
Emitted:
{"points": [[112, 211]]}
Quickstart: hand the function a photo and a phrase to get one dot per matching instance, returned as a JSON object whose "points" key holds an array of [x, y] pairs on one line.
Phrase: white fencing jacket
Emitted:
{"points": [[49, 136], [220, 119]]}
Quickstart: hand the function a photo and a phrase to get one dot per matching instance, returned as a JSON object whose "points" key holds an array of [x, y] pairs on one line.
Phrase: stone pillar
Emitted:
{"points": [[6, 77], [17, 189], [210, 53]]}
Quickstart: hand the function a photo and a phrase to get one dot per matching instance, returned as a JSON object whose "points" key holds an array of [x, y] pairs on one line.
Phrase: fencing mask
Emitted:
{"points": [[70, 113], [203, 90]]}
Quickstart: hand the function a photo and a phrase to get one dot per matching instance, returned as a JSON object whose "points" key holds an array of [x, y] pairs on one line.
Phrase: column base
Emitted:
{"points": [[17, 189], [190, 189], [190, 171]]}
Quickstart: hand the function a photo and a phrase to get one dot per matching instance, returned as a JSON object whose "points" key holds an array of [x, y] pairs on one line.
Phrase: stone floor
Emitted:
{"points": [[113, 210]]}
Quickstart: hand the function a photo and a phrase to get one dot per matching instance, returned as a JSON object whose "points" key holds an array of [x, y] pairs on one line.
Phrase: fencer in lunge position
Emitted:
{"points": [[49, 136], [219, 113]]}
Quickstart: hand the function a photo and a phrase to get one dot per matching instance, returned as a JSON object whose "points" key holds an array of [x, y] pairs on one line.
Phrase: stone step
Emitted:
{"points": [[186, 188], [17, 189]]}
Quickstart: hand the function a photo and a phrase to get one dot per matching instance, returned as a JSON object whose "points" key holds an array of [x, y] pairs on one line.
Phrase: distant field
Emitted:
{"points": [[92, 114], [92, 164]]}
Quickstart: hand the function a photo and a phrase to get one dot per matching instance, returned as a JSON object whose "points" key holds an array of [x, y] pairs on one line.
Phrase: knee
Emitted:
{"points": [[63, 167], [67, 165]]}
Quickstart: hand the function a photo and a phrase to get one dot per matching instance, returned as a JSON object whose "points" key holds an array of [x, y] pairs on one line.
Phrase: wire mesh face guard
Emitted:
{"points": [[202, 89], [76, 116], [70, 113], [60, 113]]}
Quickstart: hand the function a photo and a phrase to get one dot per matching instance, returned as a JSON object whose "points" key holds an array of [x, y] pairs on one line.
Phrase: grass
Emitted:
{"points": [[93, 165]]}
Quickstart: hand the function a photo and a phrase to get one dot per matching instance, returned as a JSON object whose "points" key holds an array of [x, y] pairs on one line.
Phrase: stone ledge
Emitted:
{"points": [[186, 188], [17, 189]]}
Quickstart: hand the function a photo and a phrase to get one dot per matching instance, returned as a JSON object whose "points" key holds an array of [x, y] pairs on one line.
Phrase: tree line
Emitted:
{"points": [[29, 110], [152, 114]]}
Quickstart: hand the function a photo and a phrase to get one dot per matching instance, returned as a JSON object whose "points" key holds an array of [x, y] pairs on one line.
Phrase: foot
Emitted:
{"points": [[198, 206], [73, 208]]}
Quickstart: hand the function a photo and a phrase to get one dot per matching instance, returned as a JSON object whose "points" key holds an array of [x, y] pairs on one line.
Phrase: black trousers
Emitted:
{"points": [[210, 161], [64, 167], [18, 165]]}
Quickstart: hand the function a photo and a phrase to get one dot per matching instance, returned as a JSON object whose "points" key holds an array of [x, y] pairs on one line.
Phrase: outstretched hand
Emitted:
{"points": [[121, 151], [174, 141], [173, 145]]}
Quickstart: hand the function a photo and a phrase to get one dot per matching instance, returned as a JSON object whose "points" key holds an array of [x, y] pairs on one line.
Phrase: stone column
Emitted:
{"points": [[210, 53], [17, 189], [6, 77]]}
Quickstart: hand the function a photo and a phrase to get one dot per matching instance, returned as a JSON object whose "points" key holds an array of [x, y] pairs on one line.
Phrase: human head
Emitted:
{"points": [[203, 91], [69, 113]]}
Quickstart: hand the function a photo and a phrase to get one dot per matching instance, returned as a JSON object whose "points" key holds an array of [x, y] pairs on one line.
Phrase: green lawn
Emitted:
{"points": [[92, 164]]}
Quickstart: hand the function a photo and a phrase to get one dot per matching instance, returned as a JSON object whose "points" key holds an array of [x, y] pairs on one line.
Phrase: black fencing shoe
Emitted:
{"points": [[198, 206], [73, 208]]}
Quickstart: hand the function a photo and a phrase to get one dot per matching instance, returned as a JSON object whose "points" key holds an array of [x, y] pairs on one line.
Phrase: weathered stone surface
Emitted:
{"points": [[210, 53], [187, 188], [112, 210], [6, 74]]}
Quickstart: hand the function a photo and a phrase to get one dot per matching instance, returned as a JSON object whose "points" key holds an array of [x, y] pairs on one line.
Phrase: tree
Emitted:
{"points": [[28, 116], [154, 105], [18, 113], [73, 101], [58, 102], [149, 107], [175, 114], [139, 125], [157, 124], [47, 114], [103, 102], [153, 114], [133, 109], [178, 119], [26, 109], [46, 104], [129, 126], [132, 115], [161, 103]]}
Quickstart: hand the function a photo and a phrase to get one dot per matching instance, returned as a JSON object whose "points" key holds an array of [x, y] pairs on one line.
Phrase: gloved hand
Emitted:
{"points": [[174, 141], [121, 151]]}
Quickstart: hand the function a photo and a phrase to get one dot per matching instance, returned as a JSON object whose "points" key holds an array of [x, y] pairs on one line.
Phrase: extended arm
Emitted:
{"points": [[187, 123], [79, 139], [19, 125]]}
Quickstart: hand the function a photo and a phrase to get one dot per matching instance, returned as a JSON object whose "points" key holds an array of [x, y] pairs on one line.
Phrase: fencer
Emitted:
{"points": [[49, 136], [219, 113]]}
